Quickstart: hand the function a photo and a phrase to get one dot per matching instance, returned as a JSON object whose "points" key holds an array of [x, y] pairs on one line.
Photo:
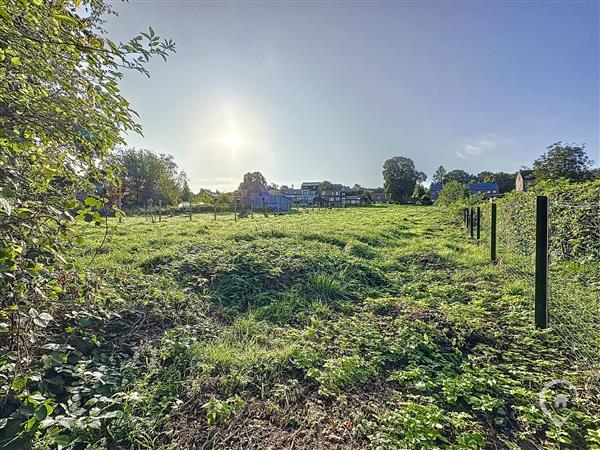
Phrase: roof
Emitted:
{"points": [[483, 186], [311, 183], [291, 191], [435, 187]]}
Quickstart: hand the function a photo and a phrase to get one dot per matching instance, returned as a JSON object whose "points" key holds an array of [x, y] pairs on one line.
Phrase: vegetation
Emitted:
{"points": [[61, 112], [400, 178], [146, 177], [452, 192], [376, 327], [567, 161]]}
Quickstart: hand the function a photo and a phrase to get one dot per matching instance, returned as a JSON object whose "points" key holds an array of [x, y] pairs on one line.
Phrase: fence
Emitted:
{"points": [[551, 244]]}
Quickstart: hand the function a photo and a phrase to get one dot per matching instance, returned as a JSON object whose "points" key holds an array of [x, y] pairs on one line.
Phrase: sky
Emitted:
{"points": [[314, 91]]}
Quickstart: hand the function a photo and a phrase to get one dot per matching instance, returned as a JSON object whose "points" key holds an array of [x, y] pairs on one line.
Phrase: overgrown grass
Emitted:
{"points": [[370, 327]]}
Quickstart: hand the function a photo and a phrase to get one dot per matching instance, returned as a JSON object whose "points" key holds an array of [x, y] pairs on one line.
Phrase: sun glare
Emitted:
{"points": [[233, 141]]}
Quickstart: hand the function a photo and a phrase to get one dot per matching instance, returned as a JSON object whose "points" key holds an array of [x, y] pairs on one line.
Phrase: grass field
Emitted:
{"points": [[381, 327]]}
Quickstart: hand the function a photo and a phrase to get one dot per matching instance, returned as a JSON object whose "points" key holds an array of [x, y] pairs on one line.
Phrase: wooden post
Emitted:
{"points": [[478, 223], [190, 210], [541, 262], [471, 220], [493, 233]]}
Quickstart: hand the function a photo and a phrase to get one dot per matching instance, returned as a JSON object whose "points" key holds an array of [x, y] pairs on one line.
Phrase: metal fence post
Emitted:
{"points": [[235, 210], [160, 210], [493, 233], [478, 223], [541, 262], [215, 211], [471, 225]]}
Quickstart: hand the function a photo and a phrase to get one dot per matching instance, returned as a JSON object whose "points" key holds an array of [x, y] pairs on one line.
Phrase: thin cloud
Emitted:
{"points": [[477, 147]]}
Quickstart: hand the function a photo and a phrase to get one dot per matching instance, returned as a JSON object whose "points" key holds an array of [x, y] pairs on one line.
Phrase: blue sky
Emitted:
{"points": [[330, 90]]}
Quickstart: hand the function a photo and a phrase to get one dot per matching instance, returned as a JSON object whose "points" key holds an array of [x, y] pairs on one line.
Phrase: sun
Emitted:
{"points": [[233, 141]]}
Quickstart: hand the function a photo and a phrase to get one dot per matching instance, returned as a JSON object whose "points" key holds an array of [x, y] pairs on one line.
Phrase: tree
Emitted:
{"points": [[505, 181], [418, 192], [568, 161], [452, 191], [459, 175], [147, 177], [481, 177], [400, 177], [440, 175], [253, 182], [186, 193]]}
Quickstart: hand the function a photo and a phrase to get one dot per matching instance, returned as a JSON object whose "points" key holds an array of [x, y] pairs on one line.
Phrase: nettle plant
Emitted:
{"points": [[61, 113]]}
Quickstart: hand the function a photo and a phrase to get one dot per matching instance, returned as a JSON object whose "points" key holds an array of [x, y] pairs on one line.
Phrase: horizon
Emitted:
{"points": [[329, 91]]}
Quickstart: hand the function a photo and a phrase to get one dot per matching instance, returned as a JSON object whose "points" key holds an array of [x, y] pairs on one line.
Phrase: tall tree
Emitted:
{"points": [[440, 175], [147, 176], [253, 183], [400, 177], [459, 175], [568, 161]]}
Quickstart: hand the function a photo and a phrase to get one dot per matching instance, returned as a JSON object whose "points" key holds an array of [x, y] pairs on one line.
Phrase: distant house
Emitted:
{"points": [[295, 195], [309, 191], [434, 191], [331, 197], [524, 180], [487, 189], [263, 200], [339, 195]]}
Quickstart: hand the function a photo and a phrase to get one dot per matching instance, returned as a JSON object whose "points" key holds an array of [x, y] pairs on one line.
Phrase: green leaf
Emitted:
{"points": [[40, 413], [15, 61], [66, 19], [5, 15]]}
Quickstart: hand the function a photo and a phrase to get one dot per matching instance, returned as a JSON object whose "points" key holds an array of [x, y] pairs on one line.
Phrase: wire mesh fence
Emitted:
{"points": [[571, 259], [574, 279]]}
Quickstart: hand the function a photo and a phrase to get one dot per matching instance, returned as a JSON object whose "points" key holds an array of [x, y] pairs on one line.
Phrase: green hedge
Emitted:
{"points": [[574, 212]]}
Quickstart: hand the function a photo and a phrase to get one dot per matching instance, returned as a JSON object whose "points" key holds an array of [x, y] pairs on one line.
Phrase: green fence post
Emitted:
{"points": [[471, 220], [478, 223], [541, 262], [493, 233]]}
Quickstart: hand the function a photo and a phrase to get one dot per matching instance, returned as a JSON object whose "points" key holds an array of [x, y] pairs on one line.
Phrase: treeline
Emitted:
{"points": [[568, 162]]}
